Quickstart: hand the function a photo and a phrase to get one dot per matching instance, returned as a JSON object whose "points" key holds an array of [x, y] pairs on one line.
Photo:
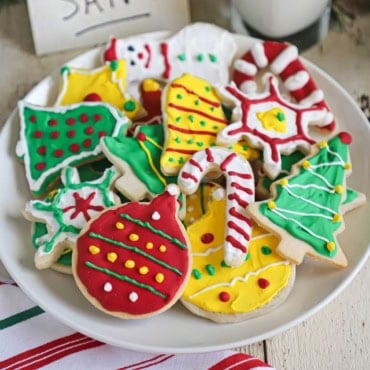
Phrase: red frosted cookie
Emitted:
{"points": [[133, 261]]}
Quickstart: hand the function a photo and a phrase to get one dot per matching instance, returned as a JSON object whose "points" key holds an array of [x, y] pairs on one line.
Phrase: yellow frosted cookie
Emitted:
{"points": [[106, 83], [193, 116], [232, 294]]}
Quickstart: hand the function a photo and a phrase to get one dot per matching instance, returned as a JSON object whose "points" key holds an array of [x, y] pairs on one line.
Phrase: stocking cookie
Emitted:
{"points": [[55, 137], [305, 210], [223, 294], [270, 123], [106, 83], [239, 190], [133, 261], [283, 60], [67, 212]]}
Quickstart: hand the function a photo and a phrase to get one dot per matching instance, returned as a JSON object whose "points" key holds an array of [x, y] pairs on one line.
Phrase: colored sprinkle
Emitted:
{"points": [[159, 278], [200, 57], [65, 69], [224, 264], [89, 130], [107, 287], [207, 238], [246, 257], [280, 116], [179, 96], [37, 134], [190, 141], [200, 143], [129, 106], [162, 248], [149, 245], [191, 118], [71, 133], [178, 140], [143, 270], [74, 148], [224, 296], [178, 119], [93, 249], [210, 269], [130, 264], [196, 102], [33, 119], [119, 225], [54, 134], [266, 250], [130, 48], [203, 123], [112, 257], [84, 117], [156, 216], [40, 166], [41, 150], [197, 274], [52, 122], [70, 121], [114, 65], [330, 246], [58, 153], [133, 237], [181, 57], [133, 297], [263, 283], [97, 117], [207, 88], [181, 160], [92, 97], [86, 143], [212, 58]]}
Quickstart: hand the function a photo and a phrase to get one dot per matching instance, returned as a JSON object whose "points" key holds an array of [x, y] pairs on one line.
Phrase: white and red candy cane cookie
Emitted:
{"points": [[239, 190], [133, 261], [283, 60]]}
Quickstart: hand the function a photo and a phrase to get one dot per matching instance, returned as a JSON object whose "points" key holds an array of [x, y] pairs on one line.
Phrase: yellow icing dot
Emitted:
{"points": [[150, 85], [273, 119], [338, 189], [112, 256], [271, 204], [143, 270], [149, 245], [93, 249], [306, 164], [119, 225], [284, 182], [337, 217], [347, 166], [162, 248], [159, 278], [129, 264], [330, 246], [323, 144], [133, 237]]}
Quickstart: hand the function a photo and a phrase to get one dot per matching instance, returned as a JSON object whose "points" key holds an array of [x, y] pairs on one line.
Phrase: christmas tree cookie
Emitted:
{"points": [[106, 83], [52, 138], [305, 210], [269, 122], [193, 116], [224, 294], [67, 211]]}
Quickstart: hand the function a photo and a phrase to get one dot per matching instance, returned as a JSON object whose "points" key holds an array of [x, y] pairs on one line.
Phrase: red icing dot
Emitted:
{"points": [[58, 152], [71, 133], [52, 122], [140, 55], [97, 117], [86, 143], [263, 283], [224, 296], [102, 133], [70, 121], [93, 97], [207, 238], [40, 166], [37, 134], [33, 119], [41, 150], [74, 147], [84, 117], [345, 138], [54, 134], [141, 137], [89, 130]]}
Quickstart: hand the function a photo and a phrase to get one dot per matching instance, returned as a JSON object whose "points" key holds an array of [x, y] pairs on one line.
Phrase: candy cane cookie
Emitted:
{"points": [[239, 189], [283, 60]]}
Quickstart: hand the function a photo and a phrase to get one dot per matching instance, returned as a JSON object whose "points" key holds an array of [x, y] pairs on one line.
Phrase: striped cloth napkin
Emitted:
{"points": [[32, 339]]}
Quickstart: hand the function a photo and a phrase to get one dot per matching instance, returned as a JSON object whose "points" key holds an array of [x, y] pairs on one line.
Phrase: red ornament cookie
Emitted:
{"points": [[133, 261]]}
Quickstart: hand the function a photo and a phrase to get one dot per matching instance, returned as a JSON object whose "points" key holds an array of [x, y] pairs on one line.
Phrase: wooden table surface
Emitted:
{"points": [[338, 336]]}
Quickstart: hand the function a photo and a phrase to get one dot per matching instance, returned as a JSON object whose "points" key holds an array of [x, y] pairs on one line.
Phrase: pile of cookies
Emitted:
{"points": [[182, 169]]}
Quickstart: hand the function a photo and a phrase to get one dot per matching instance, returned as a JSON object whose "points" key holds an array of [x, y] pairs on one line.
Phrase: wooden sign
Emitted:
{"points": [[66, 24]]}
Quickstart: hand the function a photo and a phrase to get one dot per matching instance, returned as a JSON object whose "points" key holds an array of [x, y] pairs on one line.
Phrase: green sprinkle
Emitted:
{"points": [[114, 65], [203, 123], [210, 269], [212, 58], [208, 88], [280, 116], [224, 264], [191, 118], [181, 160], [266, 250], [196, 102], [200, 57], [129, 106], [200, 143], [245, 147], [212, 109], [181, 57], [190, 141], [246, 257], [215, 127], [178, 140], [197, 274], [170, 159], [179, 96], [178, 119], [65, 69]]}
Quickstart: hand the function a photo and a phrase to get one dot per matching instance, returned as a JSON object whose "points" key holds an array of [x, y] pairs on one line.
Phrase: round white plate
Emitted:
{"points": [[177, 330]]}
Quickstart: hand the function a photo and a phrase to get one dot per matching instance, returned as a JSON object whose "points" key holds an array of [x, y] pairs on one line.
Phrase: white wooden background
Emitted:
{"points": [[337, 337]]}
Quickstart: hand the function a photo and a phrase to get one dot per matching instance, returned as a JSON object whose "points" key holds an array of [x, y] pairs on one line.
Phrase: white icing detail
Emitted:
{"points": [[156, 216], [245, 67], [287, 56], [329, 118], [107, 287], [238, 278], [191, 220], [173, 190], [297, 81], [219, 194], [133, 297], [258, 53], [248, 87], [315, 97], [304, 214]]}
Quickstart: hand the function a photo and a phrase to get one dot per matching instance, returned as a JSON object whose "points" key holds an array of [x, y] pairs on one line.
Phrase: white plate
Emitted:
{"points": [[177, 330]]}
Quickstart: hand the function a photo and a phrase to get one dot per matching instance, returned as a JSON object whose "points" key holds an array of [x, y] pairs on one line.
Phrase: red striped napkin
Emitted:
{"points": [[32, 339]]}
